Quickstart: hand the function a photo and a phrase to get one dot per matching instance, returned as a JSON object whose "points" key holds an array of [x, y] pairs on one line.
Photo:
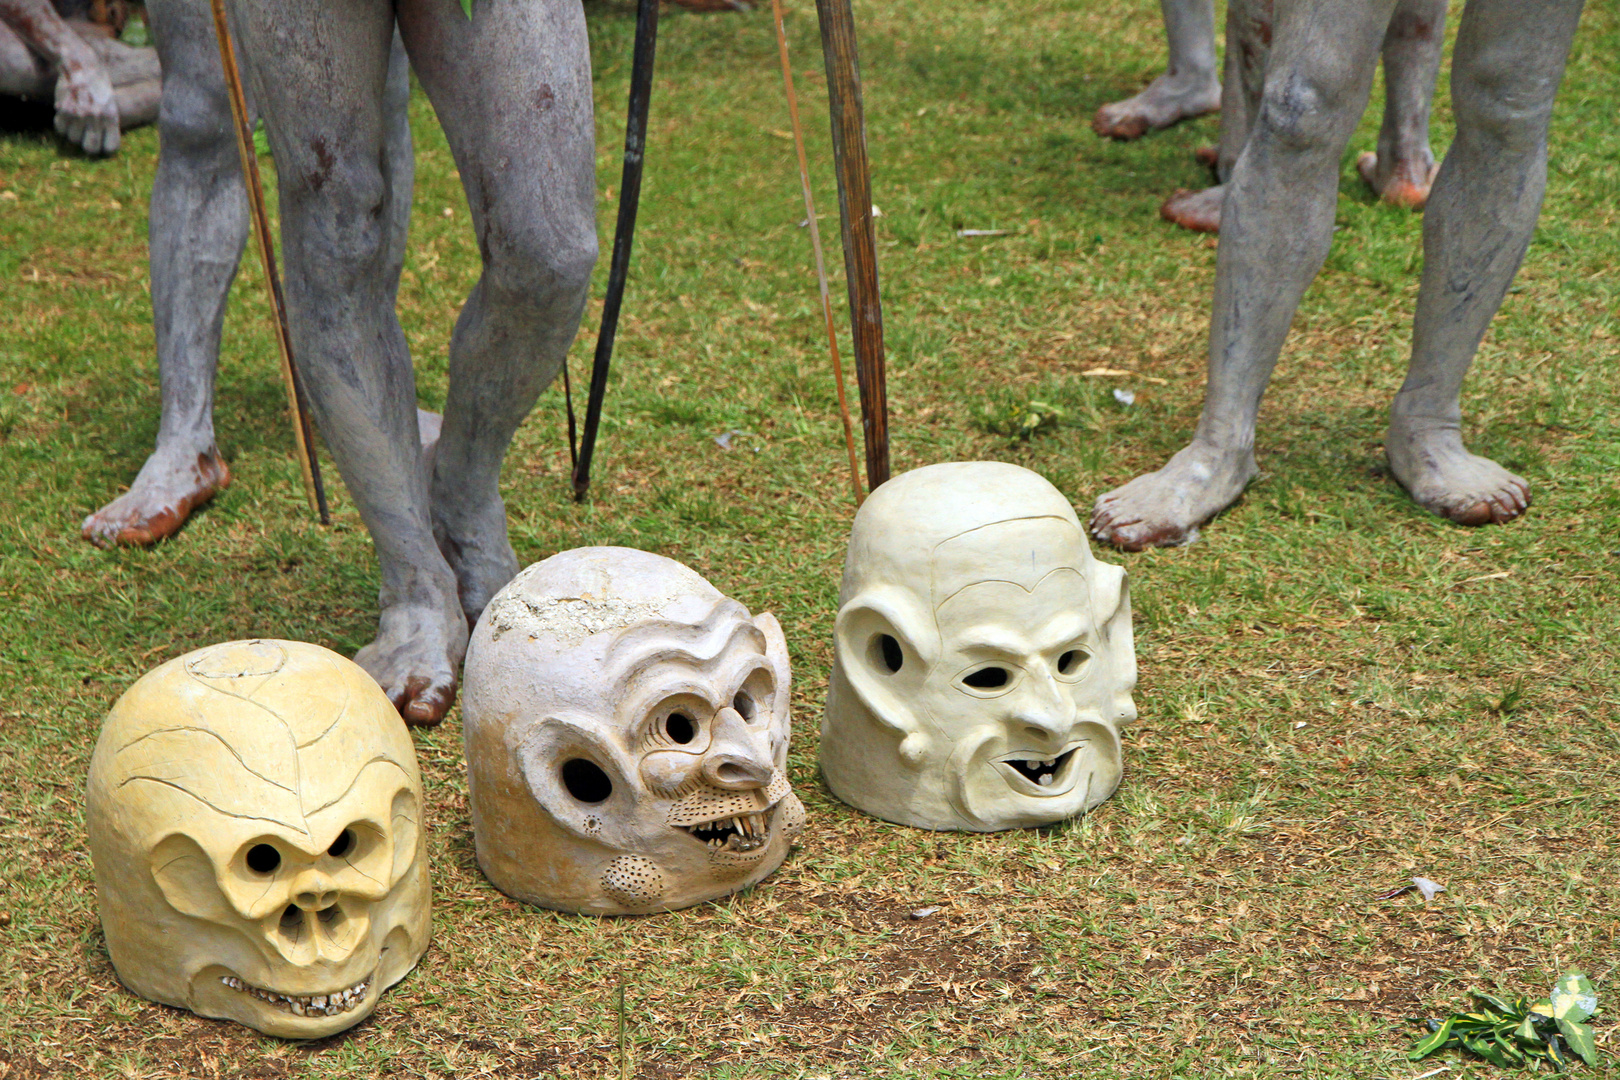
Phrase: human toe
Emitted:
{"points": [[424, 702]]}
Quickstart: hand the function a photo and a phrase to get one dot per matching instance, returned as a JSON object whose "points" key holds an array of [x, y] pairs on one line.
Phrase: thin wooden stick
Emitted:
{"points": [[860, 239], [815, 244], [303, 433]]}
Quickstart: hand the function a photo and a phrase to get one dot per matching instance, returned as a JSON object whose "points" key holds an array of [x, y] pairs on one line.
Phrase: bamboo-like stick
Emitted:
{"points": [[860, 239], [815, 244], [303, 433]]}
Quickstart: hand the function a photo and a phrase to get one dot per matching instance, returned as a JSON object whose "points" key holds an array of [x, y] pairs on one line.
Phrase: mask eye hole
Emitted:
{"points": [[342, 845], [887, 654], [681, 728], [586, 781], [263, 859], [744, 705], [1072, 661], [988, 678]]}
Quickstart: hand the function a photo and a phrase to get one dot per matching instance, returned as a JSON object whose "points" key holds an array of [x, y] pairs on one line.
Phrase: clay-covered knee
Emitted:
{"points": [[337, 215], [1498, 101], [541, 266], [195, 121], [1301, 111]]}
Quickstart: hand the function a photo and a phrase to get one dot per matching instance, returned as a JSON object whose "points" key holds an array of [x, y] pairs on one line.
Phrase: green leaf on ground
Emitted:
{"points": [[1493, 1002], [1573, 998], [1579, 1038], [1436, 1039], [1515, 1034]]}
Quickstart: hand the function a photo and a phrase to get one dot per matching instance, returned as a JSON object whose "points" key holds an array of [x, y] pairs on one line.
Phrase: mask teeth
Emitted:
{"points": [[1041, 771], [743, 832], [304, 1004]]}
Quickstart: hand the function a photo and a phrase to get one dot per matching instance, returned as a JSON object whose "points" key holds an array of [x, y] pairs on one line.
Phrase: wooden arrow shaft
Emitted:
{"points": [[815, 247], [297, 403]]}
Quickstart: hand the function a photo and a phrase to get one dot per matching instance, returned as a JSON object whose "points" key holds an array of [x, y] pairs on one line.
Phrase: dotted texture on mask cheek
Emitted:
{"points": [[633, 881], [793, 816]]}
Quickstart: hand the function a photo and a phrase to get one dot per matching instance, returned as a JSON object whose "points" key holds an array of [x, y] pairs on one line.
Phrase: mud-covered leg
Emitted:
{"points": [[198, 225], [323, 96], [1276, 225], [1481, 213], [1248, 47], [1190, 85], [528, 167], [1403, 168]]}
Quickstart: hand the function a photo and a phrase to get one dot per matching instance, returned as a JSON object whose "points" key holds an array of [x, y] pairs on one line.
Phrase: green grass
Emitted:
{"points": [[1338, 690]]}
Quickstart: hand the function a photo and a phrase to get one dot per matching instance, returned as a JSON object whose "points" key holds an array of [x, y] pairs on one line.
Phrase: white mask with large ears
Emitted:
{"points": [[626, 732], [254, 814], [983, 660]]}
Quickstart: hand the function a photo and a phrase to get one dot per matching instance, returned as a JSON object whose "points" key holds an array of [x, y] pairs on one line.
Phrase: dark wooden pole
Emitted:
{"points": [[635, 143], [860, 239]]}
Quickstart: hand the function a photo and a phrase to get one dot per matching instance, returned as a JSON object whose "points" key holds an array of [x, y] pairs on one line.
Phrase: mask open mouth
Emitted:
{"points": [[334, 1004], [1050, 776], [742, 832]]}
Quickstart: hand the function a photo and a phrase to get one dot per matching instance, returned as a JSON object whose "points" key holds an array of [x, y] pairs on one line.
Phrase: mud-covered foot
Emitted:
{"points": [[1167, 100], [1199, 211], [1404, 183], [165, 492], [1441, 475], [1165, 508], [415, 658]]}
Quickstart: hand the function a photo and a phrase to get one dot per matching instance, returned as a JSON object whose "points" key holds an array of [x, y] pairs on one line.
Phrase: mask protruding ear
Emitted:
{"points": [[776, 654], [405, 820], [886, 642], [579, 776], [186, 875], [1111, 610]]}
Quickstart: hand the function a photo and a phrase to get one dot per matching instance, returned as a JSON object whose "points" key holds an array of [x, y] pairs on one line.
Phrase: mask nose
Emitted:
{"points": [[737, 759], [313, 891], [1045, 710]]}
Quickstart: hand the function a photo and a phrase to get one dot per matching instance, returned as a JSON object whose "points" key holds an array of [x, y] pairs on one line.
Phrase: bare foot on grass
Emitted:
{"points": [[1405, 183], [165, 492], [422, 637], [1199, 211], [419, 647], [1165, 508], [1430, 461], [1167, 100]]}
